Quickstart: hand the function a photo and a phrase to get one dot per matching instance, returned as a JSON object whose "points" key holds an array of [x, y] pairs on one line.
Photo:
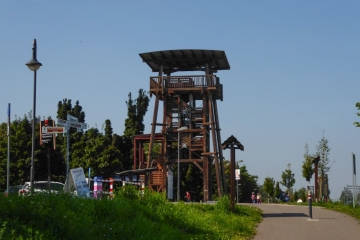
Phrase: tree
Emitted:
{"points": [[269, 186], [277, 190], [302, 194], [323, 151], [307, 167], [134, 125], [287, 178], [296, 196], [247, 182], [357, 124], [76, 144]]}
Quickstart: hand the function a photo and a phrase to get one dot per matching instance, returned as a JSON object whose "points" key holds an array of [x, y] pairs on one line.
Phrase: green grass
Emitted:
{"points": [[340, 207], [127, 216], [335, 206]]}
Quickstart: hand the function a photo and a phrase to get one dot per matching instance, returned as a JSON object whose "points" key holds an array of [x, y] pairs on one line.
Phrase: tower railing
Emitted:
{"points": [[195, 81]]}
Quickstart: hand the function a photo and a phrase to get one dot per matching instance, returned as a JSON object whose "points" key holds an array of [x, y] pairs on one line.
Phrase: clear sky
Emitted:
{"points": [[294, 69]]}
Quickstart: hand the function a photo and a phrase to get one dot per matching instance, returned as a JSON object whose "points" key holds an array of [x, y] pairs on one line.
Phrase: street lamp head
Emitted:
{"points": [[33, 64]]}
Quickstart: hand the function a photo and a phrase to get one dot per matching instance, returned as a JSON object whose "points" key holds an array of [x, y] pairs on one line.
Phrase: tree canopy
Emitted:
{"points": [[357, 124], [269, 186], [323, 151], [307, 167], [105, 153], [287, 179]]}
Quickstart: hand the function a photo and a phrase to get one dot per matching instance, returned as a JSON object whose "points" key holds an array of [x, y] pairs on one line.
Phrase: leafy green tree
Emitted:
{"points": [[287, 178], [296, 196], [269, 186], [191, 181], [307, 167], [247, 183], [277, 190], [302, 194], [65, 107], [323, 151], [357, 124], [134, 125], [20, 152]]}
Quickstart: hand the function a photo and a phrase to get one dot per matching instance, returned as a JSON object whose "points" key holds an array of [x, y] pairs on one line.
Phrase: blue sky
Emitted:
{"points": [[294, 69]]}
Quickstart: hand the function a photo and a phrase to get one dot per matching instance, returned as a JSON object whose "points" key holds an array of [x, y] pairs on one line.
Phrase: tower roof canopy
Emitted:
{"points": [[186, 60]]}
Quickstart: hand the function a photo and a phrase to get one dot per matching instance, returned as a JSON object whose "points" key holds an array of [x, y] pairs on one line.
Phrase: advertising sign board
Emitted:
{"points": [[77, 177]]}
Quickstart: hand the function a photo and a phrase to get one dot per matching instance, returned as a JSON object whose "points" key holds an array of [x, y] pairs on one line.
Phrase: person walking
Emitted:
{"points": [[258, 198], [188, 196], [253, 197]]}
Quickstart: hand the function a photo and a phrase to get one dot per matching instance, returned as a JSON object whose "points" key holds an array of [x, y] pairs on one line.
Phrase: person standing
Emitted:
{"points": [[253, 197], [258, 198], [188, 196]]}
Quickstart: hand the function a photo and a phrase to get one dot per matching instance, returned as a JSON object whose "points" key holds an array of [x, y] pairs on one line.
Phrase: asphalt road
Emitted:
{"points": [[287, 222]]}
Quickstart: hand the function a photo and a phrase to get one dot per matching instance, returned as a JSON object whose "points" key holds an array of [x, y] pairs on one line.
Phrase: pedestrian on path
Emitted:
{"points": [[188, 196], [258, 198], [253, 197]]}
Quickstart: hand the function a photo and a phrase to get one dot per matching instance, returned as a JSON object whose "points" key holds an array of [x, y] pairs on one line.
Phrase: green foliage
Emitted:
{"points": [[269, 186], [105, 153], [287, 178], [223, 204], [129, 215], [357, 124], [340, 207], [323, 151], [247, 182], [302, 194], [136, 111], [296, 196], [277, 190], [134, 124], [307, 167]]}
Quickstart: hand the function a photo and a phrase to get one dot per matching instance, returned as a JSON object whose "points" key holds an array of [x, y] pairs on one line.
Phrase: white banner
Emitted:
{"points": [[237, 174]]}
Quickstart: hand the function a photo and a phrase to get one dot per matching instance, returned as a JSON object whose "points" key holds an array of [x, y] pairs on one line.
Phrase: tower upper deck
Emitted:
{"points": [[186, 60], [170, 61]]}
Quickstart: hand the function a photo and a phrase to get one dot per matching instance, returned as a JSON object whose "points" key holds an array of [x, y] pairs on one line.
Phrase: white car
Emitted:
{"points": [[42, 187]]}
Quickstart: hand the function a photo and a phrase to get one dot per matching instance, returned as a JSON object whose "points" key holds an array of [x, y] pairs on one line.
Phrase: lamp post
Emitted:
{"points": [[33, 65], [178, 177]]}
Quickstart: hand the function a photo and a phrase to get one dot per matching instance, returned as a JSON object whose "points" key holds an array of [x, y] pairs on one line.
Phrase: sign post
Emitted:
{"points": [[71, 122], [309, 197], [354, 181], [237, 178], [8, 150], [47, 139]]}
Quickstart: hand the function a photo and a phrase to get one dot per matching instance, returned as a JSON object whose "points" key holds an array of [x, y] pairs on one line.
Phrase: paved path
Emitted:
{"points": [[287, 222]]}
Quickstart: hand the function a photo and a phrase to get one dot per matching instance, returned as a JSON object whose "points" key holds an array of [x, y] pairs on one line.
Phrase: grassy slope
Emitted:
{"points": [[336, 206], [127, 216]]}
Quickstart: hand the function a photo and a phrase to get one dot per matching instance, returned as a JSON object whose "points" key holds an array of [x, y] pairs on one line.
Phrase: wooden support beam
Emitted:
{"points": [[208, 153], [198, 165], [159, 124]]}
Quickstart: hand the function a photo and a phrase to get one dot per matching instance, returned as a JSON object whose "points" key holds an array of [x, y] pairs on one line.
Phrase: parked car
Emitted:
{"points": [[13, 190], [42, 187], [284, 197]]}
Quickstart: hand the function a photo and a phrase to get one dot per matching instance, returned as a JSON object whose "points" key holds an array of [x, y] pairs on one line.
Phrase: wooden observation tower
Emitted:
{"points": [[189, 121]]}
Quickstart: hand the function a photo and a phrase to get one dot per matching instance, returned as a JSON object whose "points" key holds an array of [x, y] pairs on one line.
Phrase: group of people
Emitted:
{"points": [[255, 198]]}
